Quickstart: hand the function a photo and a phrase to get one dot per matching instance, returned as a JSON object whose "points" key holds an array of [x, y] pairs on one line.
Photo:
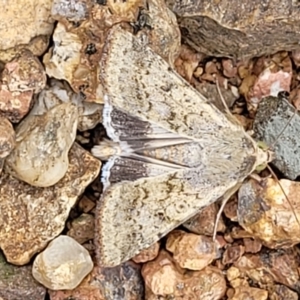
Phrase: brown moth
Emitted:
{"points": [[172, 152]]}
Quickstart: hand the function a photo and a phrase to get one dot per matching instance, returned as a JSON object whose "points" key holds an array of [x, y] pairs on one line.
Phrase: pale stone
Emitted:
{"points": [[31, 216], [74, 10], [68, 60], [89, 113], [62, 265], [40, 157], [21, 22]]}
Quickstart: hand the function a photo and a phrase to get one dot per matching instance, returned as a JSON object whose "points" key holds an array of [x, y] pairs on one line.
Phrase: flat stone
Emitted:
{"points": [[272, 116], [31, 216]]}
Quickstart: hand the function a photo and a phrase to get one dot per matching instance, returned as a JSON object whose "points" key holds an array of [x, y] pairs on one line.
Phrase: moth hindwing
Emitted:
{"points": [[174, 152]]}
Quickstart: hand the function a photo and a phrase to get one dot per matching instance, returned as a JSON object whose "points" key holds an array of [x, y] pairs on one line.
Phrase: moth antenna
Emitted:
{"points": [[284, 193], [284, 128]]}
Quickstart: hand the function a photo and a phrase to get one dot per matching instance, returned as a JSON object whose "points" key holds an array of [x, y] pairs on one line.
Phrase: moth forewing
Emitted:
{"points": [[153, 195]]}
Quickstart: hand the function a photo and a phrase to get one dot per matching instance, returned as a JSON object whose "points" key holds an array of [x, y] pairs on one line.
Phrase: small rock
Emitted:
{"points": [[191, 251], [272, 116], [118, 283], [296, 57], [232, 253], [204, 222], [62, 265], [165, 280], [252, 245], [18, 283], [270, 267], [294, 98], [187, 62], [82, 228], [24, 73], [249, 293], [238, 29], [128, 11], [7, 137], [230, 209], [85, 204], [66, 60], [74, 11], [229, 69], [147, 254], [14, 105], [21, 78], [40, 157], [275, 78], [266, 213], [30, 216], [281, 292]]}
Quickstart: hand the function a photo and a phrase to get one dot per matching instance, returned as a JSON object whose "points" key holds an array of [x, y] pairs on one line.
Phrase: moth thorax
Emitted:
{"points": [[107, 149], [263, 157]]}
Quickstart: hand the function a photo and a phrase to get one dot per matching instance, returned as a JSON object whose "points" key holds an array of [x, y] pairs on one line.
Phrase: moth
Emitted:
{"points": [[171, 152]]}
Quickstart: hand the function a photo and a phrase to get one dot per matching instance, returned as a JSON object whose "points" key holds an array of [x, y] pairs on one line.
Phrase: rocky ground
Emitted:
{"points": [[51, 104]]}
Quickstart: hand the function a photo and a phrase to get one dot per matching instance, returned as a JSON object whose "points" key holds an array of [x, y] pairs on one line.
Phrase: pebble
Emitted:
{"points": [[62, 265], [147, 254], [40, 157], [191, 251], [164, 279], [82, 228], [268, 214]]}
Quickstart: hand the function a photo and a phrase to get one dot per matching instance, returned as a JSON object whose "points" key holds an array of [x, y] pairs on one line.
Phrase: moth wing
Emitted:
{"points": [[139, 82], [133, 215]]}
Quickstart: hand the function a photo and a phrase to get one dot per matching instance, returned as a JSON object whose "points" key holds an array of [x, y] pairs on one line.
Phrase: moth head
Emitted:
{"points": [[264, 156]]}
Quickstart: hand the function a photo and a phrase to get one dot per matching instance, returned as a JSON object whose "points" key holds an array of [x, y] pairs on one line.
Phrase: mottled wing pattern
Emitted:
{"points": [[133, 214]]}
